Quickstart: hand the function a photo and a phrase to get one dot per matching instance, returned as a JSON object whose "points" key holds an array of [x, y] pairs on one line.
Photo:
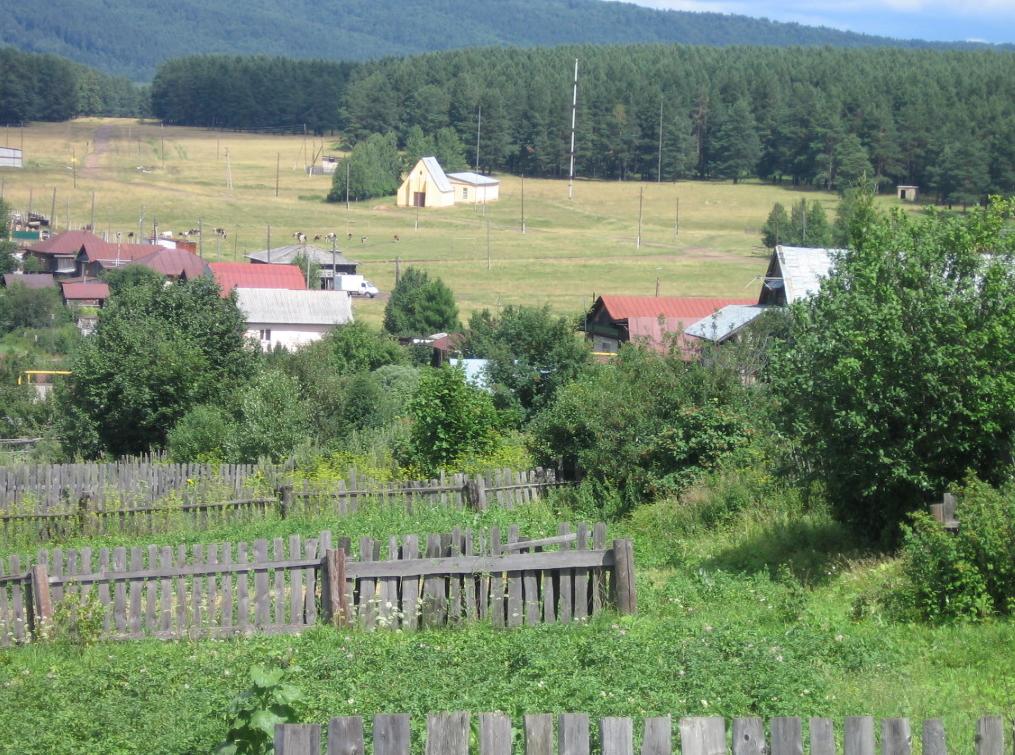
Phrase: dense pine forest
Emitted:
{"points": [[131, 37], [50, 88], [824, 117]]}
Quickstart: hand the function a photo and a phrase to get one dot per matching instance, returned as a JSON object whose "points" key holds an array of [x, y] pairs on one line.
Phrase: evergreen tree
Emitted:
{"points": [[777, 227], [735, 149], [420, 306], [853, 164], [449, 150]]}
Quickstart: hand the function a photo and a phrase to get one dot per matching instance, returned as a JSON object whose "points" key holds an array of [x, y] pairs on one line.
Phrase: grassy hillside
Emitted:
{"points": [[150, 31], [571, 249]]}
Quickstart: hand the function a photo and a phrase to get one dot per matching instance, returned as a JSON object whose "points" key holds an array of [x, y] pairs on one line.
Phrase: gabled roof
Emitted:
{"points": [[174, 263], [725, 323], [70, 243], [230, 275], [437, 174], [473, 179], [118, 255], [689, 308], [283, 255], [275, 306], [77, 291], [800, 270], [30, 280]]}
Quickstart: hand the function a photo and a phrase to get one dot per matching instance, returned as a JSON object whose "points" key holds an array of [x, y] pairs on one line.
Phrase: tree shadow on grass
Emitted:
{"points": [[813, 549]]}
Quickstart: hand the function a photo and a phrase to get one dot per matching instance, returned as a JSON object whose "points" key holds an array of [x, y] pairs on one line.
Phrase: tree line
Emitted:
{"points": [[823, 117], [49, 88]]}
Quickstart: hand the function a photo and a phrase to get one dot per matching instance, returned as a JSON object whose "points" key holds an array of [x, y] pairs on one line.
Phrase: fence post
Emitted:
{"points": [[83, 502], [624, 591], [475, 493], [334, 610], [41, 607], [285, 500]]}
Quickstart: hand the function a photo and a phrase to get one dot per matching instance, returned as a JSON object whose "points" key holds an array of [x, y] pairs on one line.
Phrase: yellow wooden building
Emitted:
{"points": [[426, 186]]}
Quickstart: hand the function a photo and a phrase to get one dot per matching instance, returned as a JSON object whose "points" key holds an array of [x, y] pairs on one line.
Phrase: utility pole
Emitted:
{"points": [[574, 113], [200, 238], [489, 265], [52, 211], [163, 146], [659, 166], [803, 214], [641, 204], [278, 157], [398, 269], [676, 220], [74, 165], [28, 215], [523, 204], [657, 286], [347, 193], [140, 221], [93, 212], [229, 172], [479, 130], [334, 241], [236, 244]]}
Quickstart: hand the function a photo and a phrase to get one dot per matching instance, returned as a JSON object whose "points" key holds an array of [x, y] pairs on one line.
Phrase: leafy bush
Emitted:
{"points": [[203, 434], [451, 420], [420, 306], [77, 620], [969, 574], [273, 420], [254, 713]]}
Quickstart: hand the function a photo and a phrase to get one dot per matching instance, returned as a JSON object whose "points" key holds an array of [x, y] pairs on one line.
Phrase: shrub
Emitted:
{"points": [[254, 713], [203, 435], [969, 574]]}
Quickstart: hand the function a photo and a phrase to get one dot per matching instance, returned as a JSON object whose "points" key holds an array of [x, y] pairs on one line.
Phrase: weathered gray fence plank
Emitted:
{"points": [[447, 734], [297, 739], [990, 736], [934, 737], [822, 736], [658, 739], [539, 734], [703, 735], [345, 736], [749, 736], [494, 734], [787, 736], [391, 734], [858, 737], [895, 736], [573, 734], [616, 736]]}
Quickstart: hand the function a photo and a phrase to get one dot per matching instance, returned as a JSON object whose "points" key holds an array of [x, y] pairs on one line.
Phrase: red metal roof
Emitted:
{"points": [[84, 291], [689, 308], [230, 275], [71, 242], [176, 263]]}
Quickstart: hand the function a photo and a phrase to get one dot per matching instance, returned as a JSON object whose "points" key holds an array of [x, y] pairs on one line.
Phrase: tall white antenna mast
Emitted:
{"points": [[574, 111]]}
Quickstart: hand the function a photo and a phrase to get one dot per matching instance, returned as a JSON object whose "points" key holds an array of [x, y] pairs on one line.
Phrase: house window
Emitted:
{"points": [[465, 193], [266, 334]]}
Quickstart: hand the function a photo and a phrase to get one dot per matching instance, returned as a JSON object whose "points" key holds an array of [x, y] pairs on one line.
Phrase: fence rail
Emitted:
{"points": [[285, 586], [95, 514], [449, 734]]}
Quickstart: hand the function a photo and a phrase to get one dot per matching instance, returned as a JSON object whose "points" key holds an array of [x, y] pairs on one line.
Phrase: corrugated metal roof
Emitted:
{"points": [[281, 255], [118, 255], [475, 371], [276, 306], [437, 174], [728, 321], [90, 290], [176, 263], [30, 280], [802, 269], [475, 179], [230, 275], [687, 308]]}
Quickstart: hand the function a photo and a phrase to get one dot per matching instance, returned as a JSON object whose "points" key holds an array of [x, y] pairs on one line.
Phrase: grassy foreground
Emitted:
{"points": [[571, 250], [754, 618]]}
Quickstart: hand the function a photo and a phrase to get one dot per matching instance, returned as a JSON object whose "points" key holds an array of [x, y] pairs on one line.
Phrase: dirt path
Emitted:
{"points": [[101, 141]]}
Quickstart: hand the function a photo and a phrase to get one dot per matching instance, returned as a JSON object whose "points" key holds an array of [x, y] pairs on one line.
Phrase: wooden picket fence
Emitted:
{"points": [[196, 506], [449, 734], [225, 589]]}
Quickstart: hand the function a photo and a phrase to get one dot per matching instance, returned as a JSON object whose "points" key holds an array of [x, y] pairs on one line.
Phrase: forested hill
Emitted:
{"points": [[131, 37]]}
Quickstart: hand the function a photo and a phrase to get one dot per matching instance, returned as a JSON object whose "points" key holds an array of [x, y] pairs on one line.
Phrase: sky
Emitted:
{"points": [[947, 20]]}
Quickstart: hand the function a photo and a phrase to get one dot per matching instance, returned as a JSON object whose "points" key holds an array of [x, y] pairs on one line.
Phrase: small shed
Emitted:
{"points": [[328, 262], [230, 275], [795, 272], [426, 185], [10, 157], [473, 188], [907, 193], [87, 293]]}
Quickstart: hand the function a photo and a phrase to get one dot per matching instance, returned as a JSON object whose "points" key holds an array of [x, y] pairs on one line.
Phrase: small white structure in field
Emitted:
{"points": [[10, 157], [473, 188], [290, 319], [907, 193]]}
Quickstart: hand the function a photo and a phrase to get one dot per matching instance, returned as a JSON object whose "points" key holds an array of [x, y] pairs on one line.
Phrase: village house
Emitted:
{"points": [[85, 294], [794, 273], [330, 263], [230, 275], [174, 264], [655, 321], [427, 185], [288, 318], [80, 254]]}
